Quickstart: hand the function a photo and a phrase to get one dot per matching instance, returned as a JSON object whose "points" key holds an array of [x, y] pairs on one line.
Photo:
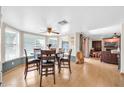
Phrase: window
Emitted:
{"points": [[11, 44], [53, 41], [33, 41], [65, 45]]}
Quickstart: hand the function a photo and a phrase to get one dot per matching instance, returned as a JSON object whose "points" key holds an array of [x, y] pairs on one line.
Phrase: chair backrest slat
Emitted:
{"points": [[48, 58], [37, 50], [48, 52], [48, 55]]}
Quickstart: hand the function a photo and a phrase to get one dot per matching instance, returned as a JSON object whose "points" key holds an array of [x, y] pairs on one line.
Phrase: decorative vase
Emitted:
{"points": [[80, 57]]}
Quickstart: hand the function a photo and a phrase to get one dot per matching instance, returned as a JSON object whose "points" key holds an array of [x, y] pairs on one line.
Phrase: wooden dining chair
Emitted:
{"points": [[47, 64], [65, 61], [30, 65]]}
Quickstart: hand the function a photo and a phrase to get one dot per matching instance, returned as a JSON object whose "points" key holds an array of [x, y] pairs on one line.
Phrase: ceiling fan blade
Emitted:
{"points": [[55, 32]]}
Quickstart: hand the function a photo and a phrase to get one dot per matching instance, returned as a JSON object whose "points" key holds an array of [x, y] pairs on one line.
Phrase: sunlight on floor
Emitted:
{"points": [[92, 73]]}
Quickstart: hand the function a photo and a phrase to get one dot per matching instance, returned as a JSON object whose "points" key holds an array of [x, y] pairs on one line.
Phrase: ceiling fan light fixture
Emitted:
{"points": [[63, 22], [49, 28]]}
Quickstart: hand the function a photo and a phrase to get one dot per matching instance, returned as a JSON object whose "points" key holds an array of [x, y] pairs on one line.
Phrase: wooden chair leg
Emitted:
{"points": [[26, 71], [69, 67], [41, 79], [26, 74], [54, 75], [59, 66]]}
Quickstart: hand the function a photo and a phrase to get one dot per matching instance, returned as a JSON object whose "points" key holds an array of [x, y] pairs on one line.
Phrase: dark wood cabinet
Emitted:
{"points": [[97, 45]]}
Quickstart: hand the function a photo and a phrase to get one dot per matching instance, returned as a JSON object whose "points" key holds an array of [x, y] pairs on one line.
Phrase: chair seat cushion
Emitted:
{"points": [[48, 63], [64, 59], [66, 54]]}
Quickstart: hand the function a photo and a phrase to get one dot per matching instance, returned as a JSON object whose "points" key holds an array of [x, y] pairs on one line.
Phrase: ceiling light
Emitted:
{"points": [[63, 22]]}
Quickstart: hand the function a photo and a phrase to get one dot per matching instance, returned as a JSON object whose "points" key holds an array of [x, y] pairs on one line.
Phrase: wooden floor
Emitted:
{"points": [[92, 73]]}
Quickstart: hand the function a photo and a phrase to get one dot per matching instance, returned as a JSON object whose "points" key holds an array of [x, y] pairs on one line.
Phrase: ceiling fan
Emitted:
{"points": [[50, 30], [63, 22]]}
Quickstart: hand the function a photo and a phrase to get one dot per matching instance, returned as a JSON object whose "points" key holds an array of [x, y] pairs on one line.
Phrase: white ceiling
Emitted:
{"points": [[81, 18]]}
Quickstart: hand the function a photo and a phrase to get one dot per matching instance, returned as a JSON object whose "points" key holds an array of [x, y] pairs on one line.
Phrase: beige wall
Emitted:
{"points": [[87, 48], [77, 42], [90, 44]]}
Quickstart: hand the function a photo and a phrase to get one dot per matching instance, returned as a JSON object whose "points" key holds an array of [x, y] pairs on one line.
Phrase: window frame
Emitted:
{"points": [[17, 42], [56, 41], [34, 35]]}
